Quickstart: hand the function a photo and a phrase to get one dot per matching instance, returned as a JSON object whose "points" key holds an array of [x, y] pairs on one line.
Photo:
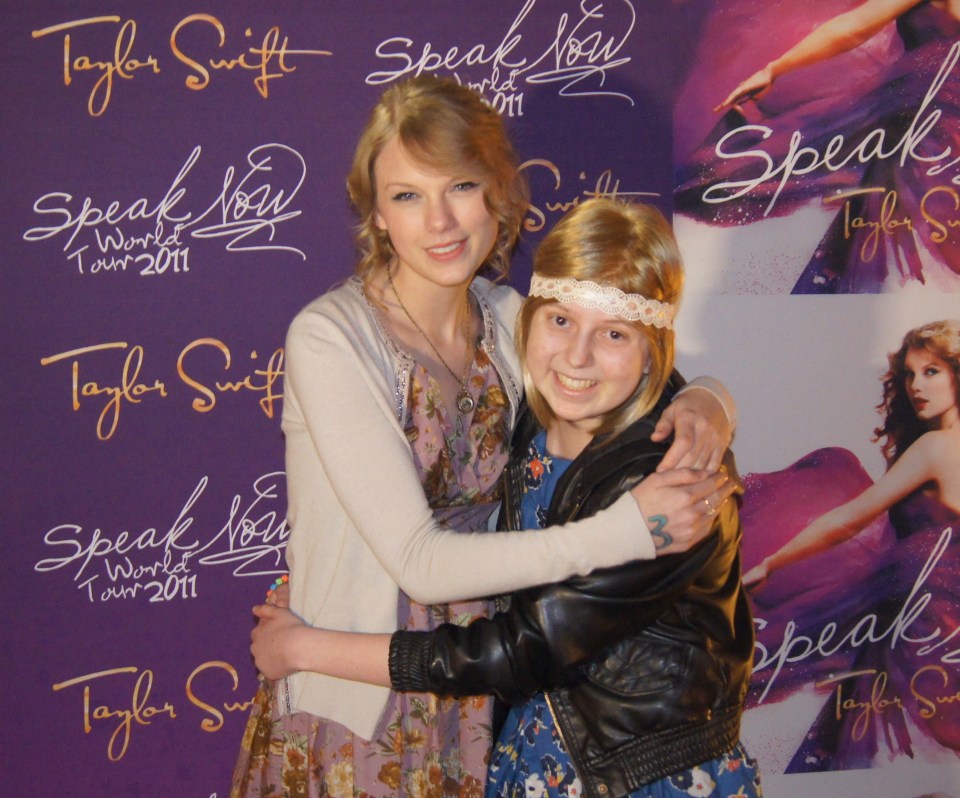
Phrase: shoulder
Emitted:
{"points": [[342, 301], [341, 311], [608, 468], [504, 300], [632, 452], [935, 447], [341, 324], [633, 448]]}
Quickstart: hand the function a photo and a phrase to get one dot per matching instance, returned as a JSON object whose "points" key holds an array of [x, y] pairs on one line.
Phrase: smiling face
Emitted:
{"points": [[931, 388], [439, 224], [585, 363]]}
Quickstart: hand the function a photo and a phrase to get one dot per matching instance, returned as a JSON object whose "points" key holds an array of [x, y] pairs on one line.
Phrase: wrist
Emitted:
{"points": [[296, 649], [409, 661], [718, 390]]}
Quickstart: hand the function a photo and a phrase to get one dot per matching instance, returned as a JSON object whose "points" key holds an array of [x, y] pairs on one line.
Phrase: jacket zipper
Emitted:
{"points": [[553, 717], [601, 787]]}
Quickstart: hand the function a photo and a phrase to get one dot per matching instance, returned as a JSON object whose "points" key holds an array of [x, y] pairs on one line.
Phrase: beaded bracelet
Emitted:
{"points": [[280, 580]]}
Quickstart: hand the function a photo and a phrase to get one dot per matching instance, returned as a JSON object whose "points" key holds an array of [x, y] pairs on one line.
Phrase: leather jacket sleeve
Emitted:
{"points": [[550, 633]]}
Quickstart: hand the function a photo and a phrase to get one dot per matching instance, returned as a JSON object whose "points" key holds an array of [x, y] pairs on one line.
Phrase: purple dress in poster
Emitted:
{"points": [[872, 135], [874, 623]]}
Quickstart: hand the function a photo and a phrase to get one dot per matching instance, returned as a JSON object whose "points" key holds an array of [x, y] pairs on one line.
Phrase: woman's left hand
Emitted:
{"points": [[275, 640], [279, 596], [680, 506], [702, 432]]}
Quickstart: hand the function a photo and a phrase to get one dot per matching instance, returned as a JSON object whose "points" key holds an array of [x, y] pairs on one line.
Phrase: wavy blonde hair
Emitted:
{"points": [[449, 128], [631, 247]]}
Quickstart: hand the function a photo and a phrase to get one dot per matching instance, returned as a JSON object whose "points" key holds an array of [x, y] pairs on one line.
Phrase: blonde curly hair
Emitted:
{"points": [[449, 128]]}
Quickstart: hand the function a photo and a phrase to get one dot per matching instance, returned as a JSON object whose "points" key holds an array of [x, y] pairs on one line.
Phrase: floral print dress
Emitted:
{"points": [[529, 759], [425, 747]]}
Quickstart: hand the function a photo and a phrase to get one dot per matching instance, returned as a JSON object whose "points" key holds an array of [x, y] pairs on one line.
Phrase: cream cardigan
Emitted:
{"points": [[361, 527]]}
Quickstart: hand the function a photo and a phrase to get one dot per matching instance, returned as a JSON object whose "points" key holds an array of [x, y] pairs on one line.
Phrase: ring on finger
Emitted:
{"points": [[711, 510]]}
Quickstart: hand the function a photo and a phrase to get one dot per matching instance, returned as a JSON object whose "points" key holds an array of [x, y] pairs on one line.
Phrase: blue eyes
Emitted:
{"points": [[406, 196]]}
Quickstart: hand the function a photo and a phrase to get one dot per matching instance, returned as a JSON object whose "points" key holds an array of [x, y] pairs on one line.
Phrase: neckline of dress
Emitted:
{"points": [[402, 352]]}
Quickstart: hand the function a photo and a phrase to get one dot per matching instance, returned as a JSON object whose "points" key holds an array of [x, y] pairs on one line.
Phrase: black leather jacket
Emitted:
{"points": [[645, 666]]}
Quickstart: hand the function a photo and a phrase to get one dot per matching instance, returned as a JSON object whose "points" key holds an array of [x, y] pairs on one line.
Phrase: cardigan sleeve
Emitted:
{"points": [[364, 455], [719, 390]]}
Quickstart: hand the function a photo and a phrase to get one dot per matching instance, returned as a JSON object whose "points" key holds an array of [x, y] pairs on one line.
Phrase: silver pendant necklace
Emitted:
{"points": [[465, 402]]}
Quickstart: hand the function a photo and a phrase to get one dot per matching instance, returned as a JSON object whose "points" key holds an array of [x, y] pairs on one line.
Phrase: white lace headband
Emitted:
{"points": [[588, 294]]}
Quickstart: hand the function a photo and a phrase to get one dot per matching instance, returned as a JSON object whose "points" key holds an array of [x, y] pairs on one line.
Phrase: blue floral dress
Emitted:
{"points": [[529, 759]]}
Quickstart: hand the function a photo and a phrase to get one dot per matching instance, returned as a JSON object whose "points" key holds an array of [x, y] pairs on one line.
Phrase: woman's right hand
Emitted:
{"points": [[276, 639], [757, 575], [679, 506], [752, 88]]}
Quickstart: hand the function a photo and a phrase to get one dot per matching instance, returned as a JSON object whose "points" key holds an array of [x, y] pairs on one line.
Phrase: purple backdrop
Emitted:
{"points": [[175, 193]]}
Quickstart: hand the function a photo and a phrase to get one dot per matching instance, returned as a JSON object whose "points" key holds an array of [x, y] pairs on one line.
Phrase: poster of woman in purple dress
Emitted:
{"points": [[855, 584], [838, 129]]}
